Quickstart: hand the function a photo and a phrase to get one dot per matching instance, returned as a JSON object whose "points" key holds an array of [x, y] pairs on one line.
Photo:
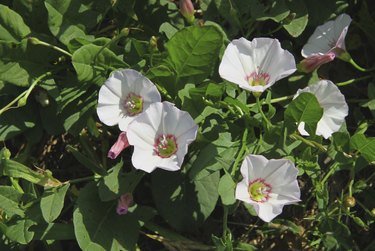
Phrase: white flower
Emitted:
{"points": [[268, 185], [160, 136], [334, 107], [256, 65], [329, 37], [125, 95]]}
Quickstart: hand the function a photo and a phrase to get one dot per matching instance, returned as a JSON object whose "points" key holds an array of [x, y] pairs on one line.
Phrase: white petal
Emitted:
{"points": [[242, 192], [327, 36], [169, 164], [289, 193], [279, 172], [125, 121], [141, 134], [334, 106], [109, 114], [237, 62], [268, 211], [144, 159], [252, 167]]}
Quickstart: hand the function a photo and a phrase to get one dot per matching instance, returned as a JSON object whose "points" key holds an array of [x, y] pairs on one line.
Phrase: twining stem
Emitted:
{"points": [[22, 98], [93, 177], [225, 223], [36, 41], [308, 142], [268, 123], [330, 172], [274, 100], [354, 80], [242, 150], [352, 62]]}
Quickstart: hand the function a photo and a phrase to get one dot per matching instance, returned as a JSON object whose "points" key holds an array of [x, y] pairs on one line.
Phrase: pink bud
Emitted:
{"points": [[187, 10], [121, 144], [315, 61], [124, 202]]}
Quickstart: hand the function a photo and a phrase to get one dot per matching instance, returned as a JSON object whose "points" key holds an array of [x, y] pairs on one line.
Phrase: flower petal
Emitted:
{"points": [[109, 114], [268, 211], [279, 172]]}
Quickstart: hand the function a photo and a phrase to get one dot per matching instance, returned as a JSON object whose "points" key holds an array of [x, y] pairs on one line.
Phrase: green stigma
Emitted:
{"points": [[133, 104], [259, 190]]}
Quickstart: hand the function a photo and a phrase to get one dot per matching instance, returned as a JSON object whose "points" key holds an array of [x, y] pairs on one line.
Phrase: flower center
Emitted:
{"points": [[259, 190], [165, 145], [133, 104], [260, 78]]}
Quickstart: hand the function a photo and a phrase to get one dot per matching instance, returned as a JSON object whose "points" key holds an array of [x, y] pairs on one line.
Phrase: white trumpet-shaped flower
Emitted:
{"points": [[334, 107], [329, 37], [125, 95], [160, 136], [268, 185], [256, 65]]}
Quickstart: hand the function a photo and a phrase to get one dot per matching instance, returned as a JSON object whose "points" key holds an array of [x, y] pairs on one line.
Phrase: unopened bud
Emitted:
{"points": [[33, 40], [6, 153], [349, 201], [119, 146], [315, 61], [124, 202], [187, 10], [124, 32], [153, 43], [373, 212], [41, 96], [22, 101]]}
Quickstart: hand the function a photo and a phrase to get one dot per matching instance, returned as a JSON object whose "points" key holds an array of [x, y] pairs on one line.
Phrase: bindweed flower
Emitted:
{"points": [[187, 10], [256, 65], [119, 146], [313, 62], [329, 37], [160, 137], [268, 185], [125, 95], [334, 107], [123, 204]]}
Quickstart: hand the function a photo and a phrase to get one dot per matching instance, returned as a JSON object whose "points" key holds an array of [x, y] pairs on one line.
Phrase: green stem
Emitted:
{"points": [[354, 80], [225, 223], [268, 123], [274, 100], [308, 142], [8, 106], [242, 150], [352, 62], [330, 172], [22, 98], [84, 179], [39, 42]]}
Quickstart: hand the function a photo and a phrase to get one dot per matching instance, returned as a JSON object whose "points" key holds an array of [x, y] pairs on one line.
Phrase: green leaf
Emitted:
{"points": [[14, 169], [34, 13], [366, 146], [53, 231], [226, 190], [85, 161], [297, 25], [10, 198], [117, 183], [190, 201], [16, 121], [277, 11], [21, 63], [305, 108], [19, 231], [12, 26], [52, 202], [98, 227], [72, 19], [93, 63], [229, 11], [193, 51]]}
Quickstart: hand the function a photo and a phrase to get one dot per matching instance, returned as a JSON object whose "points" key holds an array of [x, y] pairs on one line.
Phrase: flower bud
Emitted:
{"points": [[33, 40], [22, 101], [349, 201], [41, 96], [314, 62], [187, 10], [119, 146], [125, 32], [124, 202], [373, 212], [153, 43], [6, 153]]}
